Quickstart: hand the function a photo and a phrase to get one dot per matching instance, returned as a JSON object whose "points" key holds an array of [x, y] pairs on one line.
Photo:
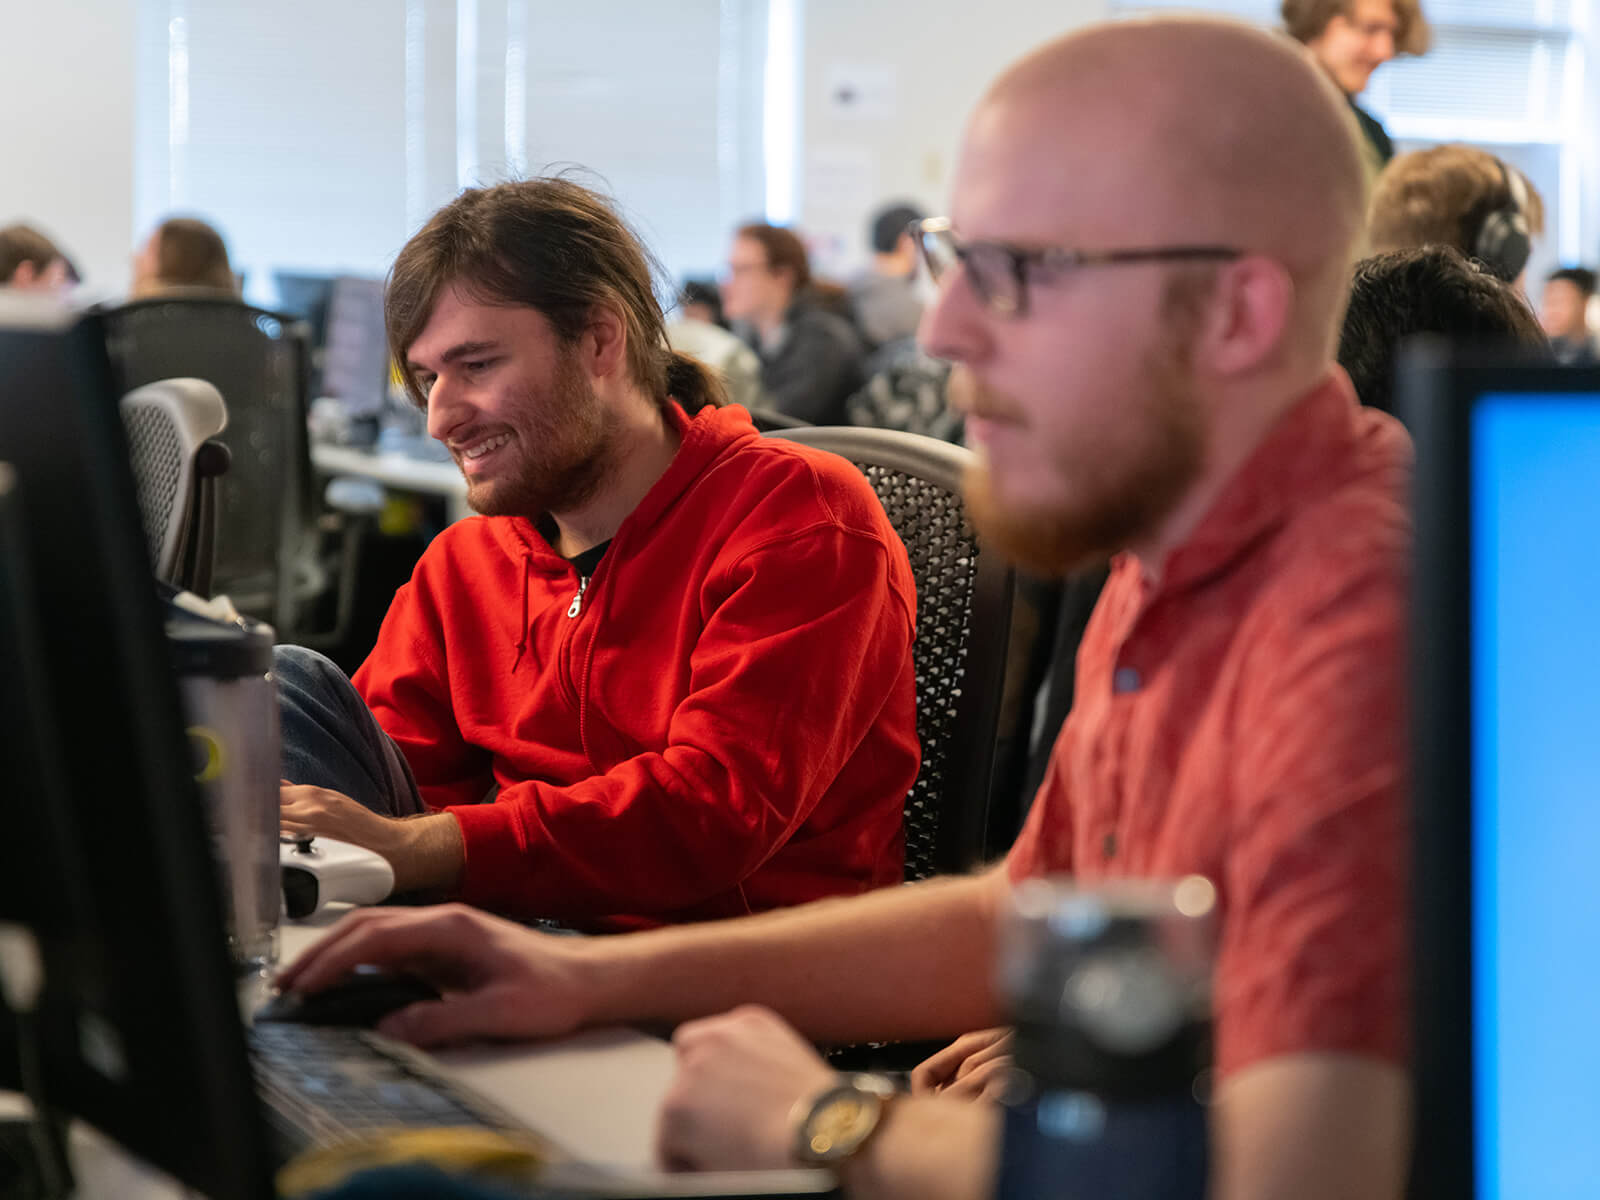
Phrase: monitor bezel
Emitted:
{"points": [[1439, 389]]}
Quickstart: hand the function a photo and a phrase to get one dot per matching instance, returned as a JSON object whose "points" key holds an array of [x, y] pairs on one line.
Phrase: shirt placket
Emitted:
{"points": [[1127, 687]]}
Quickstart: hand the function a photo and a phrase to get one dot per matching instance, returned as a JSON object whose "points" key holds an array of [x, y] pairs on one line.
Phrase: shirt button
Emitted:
{"points": [[1125, 680]]}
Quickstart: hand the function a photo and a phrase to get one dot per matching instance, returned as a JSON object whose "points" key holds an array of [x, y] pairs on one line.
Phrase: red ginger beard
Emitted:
{"points": [[1122, 493]]}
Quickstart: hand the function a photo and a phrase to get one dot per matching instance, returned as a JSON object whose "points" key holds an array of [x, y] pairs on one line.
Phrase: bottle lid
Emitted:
{"points": [[217, 650]]}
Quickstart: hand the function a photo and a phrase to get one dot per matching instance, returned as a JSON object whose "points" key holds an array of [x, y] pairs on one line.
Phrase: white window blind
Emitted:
{"points": [[317, 134], [663, 102], [283, 124], [1484, 84]]}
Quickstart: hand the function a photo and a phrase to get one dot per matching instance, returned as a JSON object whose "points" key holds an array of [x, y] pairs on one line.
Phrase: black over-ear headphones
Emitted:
{"points": [[1503, 242]]}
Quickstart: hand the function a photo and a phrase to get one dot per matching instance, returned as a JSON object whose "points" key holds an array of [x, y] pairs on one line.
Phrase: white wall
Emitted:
{"points": [[66, 140], [917, 68], [311, 155]]}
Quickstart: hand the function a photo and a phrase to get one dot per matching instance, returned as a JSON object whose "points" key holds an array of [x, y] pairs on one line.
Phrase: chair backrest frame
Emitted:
{"points": [[260, 362], [167, 422], [958, 702]]}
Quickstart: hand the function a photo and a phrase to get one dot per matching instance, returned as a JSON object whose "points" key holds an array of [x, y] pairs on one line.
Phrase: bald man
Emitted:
{"points": [[1142, 297]]}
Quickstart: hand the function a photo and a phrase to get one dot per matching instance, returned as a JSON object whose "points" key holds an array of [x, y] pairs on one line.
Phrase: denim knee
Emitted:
{"points": [[306, 669]]}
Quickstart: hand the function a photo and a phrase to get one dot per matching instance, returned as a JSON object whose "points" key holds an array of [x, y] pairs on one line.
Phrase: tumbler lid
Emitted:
{"points": [[215, 650]]}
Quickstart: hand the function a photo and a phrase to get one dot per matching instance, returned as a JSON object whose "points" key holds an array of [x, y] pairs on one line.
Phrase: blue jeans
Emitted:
{"points": [[332, 740]]}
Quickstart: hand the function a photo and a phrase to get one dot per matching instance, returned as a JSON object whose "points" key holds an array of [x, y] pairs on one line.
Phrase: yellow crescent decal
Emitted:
{"points": [[216, 759]]}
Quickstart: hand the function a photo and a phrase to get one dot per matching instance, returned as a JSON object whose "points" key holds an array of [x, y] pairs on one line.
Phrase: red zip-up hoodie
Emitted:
{"points": [[721, 720]]}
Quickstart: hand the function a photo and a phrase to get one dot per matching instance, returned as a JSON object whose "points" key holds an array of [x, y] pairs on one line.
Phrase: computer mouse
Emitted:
{"points": [[361, 999]]}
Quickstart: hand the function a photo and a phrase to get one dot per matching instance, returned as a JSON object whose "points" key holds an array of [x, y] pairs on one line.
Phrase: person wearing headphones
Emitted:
{"points": [[1459, 196]]}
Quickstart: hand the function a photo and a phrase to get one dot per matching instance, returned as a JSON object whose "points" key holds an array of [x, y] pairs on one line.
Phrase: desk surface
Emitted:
{"points": [[594, 1095]]}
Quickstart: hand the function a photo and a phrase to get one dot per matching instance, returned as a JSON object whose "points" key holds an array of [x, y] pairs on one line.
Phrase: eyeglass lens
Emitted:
{"points": [[991, 271]]}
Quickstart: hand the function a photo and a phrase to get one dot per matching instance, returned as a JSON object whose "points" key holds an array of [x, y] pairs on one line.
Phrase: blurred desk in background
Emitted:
{"points": [[401, 472]]}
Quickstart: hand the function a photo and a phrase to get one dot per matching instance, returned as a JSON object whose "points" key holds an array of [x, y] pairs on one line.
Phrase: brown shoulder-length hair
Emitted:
{"points": [[784, 249], [1304, 21], [552, 245]]}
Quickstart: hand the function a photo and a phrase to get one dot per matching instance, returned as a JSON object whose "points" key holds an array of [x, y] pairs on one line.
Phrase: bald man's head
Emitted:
{"points": [[1176, 130], [1111, 395]]}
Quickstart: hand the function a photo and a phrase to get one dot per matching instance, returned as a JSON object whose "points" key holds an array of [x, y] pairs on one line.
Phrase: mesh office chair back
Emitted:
{"points": [[167, 424], [258, 361], [964, 604]]}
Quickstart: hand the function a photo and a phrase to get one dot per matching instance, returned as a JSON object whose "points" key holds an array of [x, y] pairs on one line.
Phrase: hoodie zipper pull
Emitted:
{"points": [[577, 601]]}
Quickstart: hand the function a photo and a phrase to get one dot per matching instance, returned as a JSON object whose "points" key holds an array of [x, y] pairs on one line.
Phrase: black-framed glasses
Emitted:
{"points": [[999, 273]]}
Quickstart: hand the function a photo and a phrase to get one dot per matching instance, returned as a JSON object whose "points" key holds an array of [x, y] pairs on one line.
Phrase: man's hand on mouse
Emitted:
{"points": [[499, 980]]}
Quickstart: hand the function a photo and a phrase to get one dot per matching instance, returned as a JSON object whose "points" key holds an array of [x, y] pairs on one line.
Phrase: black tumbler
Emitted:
{"points": [[1109, 991]]}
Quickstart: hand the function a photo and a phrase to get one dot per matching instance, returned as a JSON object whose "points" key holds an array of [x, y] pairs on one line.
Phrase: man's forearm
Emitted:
{"points": [[904, 963], [428, 854], [1312, 1126], [928, 1148]]}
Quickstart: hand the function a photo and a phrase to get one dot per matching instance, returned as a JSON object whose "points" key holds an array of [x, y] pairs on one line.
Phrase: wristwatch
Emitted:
{"points": [[837, 1123]]}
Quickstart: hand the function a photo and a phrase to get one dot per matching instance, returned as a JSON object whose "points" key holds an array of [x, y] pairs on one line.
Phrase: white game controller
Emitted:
{"points": [[319, 871]]}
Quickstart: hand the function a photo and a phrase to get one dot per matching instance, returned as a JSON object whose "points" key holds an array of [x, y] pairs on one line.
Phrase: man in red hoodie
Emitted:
{"points": [[667, 674]]}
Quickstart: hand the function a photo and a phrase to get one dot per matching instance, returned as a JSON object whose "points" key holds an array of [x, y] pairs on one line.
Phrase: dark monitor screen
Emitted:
{"points": [[305, 296], [355, 360], [138, 1028], [1507, 708]]}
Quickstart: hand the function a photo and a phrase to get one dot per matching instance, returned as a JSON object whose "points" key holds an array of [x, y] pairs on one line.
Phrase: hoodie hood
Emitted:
{"points": [[703, 439]]}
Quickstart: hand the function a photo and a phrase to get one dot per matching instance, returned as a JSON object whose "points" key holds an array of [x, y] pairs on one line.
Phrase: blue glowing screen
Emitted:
{"points": [[1535, 604]]}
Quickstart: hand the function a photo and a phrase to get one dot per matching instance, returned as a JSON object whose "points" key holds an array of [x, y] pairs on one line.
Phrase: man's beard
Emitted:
{"points": [[1122, 493], [564, 437]]}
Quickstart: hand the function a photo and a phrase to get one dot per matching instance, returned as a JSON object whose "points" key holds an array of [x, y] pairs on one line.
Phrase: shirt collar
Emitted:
{"points": [[1282, 472]]}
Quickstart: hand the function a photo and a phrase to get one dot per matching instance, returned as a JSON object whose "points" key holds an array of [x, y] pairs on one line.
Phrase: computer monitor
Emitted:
{"points": [[138, 1028], [305, 296], [1506, 704], [355, 359]]}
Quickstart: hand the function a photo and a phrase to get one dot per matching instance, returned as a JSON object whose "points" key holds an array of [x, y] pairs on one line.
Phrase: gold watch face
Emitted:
{"points": [[841, 1123]]}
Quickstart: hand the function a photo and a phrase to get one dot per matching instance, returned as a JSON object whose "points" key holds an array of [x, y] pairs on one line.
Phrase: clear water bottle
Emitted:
{"points": [[231, 704], [1109, 991]]}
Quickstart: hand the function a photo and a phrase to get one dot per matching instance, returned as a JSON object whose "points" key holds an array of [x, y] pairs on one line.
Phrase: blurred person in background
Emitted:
{"points": [[811, 359], [1350, 39], [701, 301], [183, 254], [884, 297], [906, 388], [1428, 289], [1456, 195], [701, 332], [29, 261], [1564, 314]]}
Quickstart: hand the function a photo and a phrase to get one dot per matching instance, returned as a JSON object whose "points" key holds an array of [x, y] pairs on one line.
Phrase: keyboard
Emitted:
{"points": [[323, 1085]]}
